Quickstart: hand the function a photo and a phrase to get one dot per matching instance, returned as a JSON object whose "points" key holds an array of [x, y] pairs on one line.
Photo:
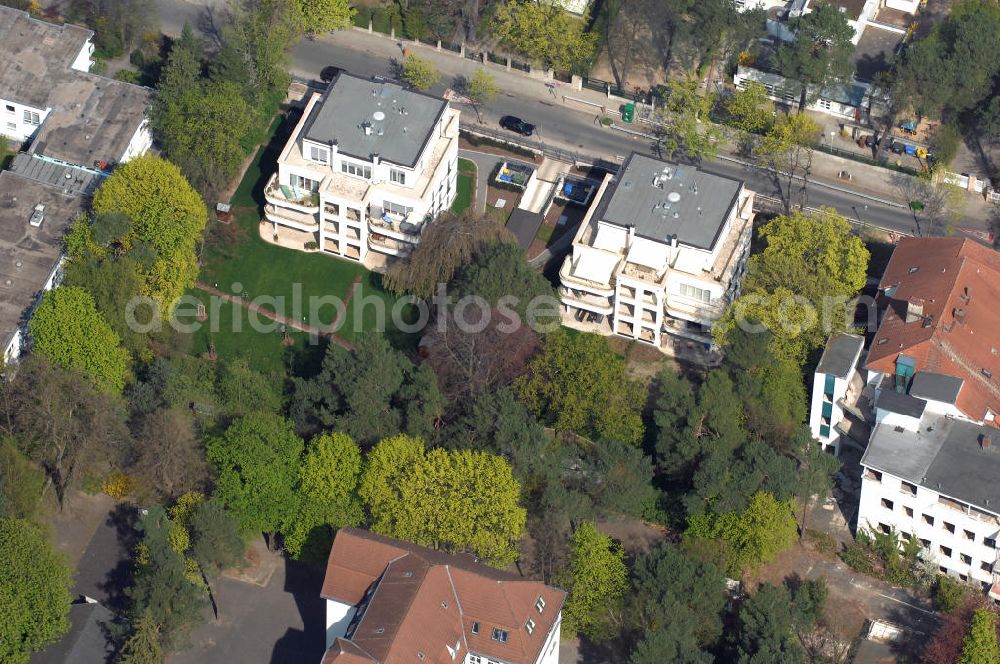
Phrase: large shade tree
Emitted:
{"points": [[34, 591], [821, 54]]}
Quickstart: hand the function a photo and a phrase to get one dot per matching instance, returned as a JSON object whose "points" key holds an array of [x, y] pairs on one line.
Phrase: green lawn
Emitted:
{"points": [[236, 260], [465, 187]]}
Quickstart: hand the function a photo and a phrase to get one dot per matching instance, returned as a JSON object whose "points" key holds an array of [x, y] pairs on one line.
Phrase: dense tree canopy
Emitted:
{"points": [[316, 16], [596, 579], [424, 497], [163, 589], [67, 330], [167, 215], [800, 287], [257, 461], [368, 393], [578, 384], [420, 73], [34, 591], [544, 32], [327, 493]]}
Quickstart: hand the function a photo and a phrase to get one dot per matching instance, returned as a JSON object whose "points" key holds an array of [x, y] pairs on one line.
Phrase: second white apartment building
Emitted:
{"points": [[368, 166], [660, 253]]}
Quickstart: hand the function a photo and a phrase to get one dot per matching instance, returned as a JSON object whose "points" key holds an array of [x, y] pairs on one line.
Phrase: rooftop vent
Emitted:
{"points": [[367, 128], [378, 116], [959, 312], [37, 215], [674, 197]]}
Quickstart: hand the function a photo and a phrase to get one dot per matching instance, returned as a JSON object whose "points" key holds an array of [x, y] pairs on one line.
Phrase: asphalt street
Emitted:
{"points": [[563, 125]]}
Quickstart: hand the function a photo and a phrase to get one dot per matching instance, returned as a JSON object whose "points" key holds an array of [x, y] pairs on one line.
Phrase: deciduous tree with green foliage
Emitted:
{"points": [[544, 32], [423, 497], [816, 470], [328, 495], [67, 330], [215, 542], [318, 16], [21, 482], [800, 287], [752, 113], [578, 384], [112, 281], [420, 73], [167, 214], [257, 461], [34, 591], [754, 536], [821, 55], [596, 579], [980, 645], [242, 390], [771, 621], [501, 270], [683, 128], [481, 89]]}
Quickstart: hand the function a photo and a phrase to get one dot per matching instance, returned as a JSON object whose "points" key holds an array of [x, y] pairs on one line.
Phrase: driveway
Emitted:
{"points": [[282, 622]]}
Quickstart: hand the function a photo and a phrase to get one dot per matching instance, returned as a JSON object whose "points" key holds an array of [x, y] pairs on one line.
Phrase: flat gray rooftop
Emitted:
{"points": [[840, 354], [935, 387], [946, 455], [35, 56], [93, 118], [897, 402], [401, 120], [29, 254], [662, 199]]}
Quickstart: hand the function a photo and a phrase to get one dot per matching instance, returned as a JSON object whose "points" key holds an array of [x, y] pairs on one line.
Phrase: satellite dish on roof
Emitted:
{"points": [[673, 197], [378, 116]]}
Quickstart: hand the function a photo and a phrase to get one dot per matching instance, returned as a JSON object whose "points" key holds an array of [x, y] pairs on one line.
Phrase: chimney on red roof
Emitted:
{"points": [[914, 309]]}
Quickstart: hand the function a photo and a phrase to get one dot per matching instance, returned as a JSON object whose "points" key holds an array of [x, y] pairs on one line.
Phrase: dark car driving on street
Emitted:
{"points": [[517, 125]]}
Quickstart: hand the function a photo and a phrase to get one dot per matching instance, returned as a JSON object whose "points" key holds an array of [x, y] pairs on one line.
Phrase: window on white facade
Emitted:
{"points": [[945, 551], [886, 503], [928, 519], [907, 487], [500, 635], [305, 184], [824, 103], [700, 294], [396, 208], [967, 560], [908, 510], [10, 108], [969, 535], [986, 567], [322, 155], [32, 118], [475, 659], [990, 542], [356, 170], [529, 626], [397, 176], [12, 125], [950, 527]]}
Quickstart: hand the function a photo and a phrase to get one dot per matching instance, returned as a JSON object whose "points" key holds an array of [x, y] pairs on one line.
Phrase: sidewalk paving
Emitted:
{"points": [[877, 182]]}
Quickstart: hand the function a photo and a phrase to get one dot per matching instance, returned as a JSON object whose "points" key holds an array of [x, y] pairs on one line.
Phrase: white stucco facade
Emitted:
{"points": [[655, 292], [338, 617], [350, 207]]}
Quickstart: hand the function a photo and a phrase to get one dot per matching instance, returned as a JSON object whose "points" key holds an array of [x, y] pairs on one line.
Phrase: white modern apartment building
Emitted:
{"points": [[931, 466], [836, 377], [390, 601], [660, 253], [368, 166], [73, 127]]}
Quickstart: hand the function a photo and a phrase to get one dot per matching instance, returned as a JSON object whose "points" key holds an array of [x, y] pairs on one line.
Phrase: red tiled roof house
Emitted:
{"points": [[389, 602]]}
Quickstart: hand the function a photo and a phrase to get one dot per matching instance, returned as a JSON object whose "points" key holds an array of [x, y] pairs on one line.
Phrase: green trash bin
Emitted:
{"points": [[628, 112]]}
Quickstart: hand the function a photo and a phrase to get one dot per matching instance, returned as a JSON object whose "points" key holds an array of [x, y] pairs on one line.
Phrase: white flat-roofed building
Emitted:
{"points": [[368, 166], [660, 253], [836, 377]]}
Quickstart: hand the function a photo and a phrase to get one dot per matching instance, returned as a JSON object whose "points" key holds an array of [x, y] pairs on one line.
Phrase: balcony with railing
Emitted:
{"points": [[582, 300], [699, 311], [394, 225], [302, 221], [282, 195], [388, 245]]}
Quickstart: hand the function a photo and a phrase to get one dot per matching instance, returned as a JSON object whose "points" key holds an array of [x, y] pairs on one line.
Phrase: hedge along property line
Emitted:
{"points": [[513, 148]]}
